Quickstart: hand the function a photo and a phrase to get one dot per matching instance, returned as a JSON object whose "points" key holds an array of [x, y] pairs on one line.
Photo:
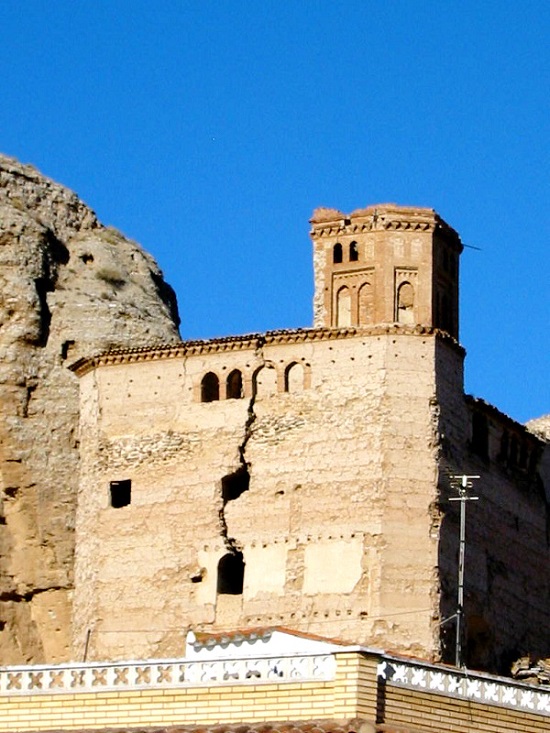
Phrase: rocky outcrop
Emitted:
{"points": [[540, 426], [70, 287]]}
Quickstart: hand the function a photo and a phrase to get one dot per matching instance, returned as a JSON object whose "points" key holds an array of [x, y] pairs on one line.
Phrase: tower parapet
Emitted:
{"points": [[385, 264]]}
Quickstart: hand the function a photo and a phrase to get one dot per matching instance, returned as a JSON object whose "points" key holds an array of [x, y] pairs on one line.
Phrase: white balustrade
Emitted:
{"points": [[90, 677], [465, 684]]}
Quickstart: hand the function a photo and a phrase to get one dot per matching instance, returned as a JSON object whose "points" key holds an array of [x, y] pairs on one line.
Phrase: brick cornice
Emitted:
{"points": [[384, 217], [250, 341]]}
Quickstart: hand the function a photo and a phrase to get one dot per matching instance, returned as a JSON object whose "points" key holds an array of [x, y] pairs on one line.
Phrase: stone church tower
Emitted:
{"points": [[302, 478], [385, 264]]}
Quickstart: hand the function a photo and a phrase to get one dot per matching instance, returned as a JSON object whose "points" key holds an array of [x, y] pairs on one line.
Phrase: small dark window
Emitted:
{"points": [[353, 252], [235, 385], [337, 253], [210, 388], [480, 435], [65, 348], [231, 574], [121, 493]]}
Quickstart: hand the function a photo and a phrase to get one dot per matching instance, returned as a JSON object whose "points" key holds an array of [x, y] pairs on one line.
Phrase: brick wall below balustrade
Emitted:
{"points": [[347, 691], [348, 684]]}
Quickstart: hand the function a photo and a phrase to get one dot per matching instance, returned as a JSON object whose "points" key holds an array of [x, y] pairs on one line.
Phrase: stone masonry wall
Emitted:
{"points": [[69, 287], [335, 526], [507, 577]]}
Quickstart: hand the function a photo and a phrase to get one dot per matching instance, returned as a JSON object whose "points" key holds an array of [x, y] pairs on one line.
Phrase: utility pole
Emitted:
{"points": [[465, 483]]}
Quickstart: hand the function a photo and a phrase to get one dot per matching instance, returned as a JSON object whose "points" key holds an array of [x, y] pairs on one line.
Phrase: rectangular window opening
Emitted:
{"points": [[121, 493]]}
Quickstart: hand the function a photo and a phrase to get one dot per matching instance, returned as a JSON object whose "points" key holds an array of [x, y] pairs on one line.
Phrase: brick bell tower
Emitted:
{"points": [[385, 264]]}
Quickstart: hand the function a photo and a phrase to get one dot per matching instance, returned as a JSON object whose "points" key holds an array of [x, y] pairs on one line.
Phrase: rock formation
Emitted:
{"points": [[70, 287]]}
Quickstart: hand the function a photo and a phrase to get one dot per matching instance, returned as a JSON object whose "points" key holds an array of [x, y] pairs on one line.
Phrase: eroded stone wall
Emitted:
{"points": [[331, 475], [69, 287], [334, 519], [507, 576]]}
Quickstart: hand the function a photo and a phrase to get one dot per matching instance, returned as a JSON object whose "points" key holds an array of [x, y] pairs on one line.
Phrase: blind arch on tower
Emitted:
{"points": [[365, 305], [405, 303], [343, 307]]}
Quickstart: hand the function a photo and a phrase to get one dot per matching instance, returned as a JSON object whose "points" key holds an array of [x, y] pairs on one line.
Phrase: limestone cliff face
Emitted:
{"points": [[69, 287]]}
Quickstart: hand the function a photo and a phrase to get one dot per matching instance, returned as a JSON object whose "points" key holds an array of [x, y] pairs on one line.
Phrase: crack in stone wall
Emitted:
{"points": [[236, 483]]}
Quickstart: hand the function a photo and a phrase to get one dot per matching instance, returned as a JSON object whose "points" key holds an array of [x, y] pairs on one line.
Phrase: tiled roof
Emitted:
{"points": [[262, 632], [355, 725]]}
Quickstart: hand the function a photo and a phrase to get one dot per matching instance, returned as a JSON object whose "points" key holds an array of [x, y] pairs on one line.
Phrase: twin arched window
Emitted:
{"points": [[210, 386], [338, 253]]}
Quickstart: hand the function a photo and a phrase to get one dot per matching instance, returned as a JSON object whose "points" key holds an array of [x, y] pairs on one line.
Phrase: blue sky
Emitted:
{"points": [[209, 131]]}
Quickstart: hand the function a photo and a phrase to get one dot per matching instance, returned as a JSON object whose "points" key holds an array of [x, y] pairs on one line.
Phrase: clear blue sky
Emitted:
{"points": [[209, 131]]}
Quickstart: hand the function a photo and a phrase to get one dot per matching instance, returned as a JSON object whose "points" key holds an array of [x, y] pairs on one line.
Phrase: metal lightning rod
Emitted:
{"points": [[465, 483]]}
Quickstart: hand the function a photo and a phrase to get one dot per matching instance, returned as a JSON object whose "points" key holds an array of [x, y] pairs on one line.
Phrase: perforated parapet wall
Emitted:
{"points": [[348, 690]]}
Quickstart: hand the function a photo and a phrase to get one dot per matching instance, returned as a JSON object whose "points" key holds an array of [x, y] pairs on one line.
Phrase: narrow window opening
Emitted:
{"points": [[121, 493], [210, 388], [235, 385], [231, 574], [337, 253], [353, 252], [480, 435]]}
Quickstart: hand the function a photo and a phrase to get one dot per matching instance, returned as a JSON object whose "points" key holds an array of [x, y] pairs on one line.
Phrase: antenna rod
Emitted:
{"points": [[465, 483]]}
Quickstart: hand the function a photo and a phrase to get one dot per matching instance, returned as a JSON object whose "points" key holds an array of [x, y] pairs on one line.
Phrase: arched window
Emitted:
{"points": [[210, 388], [365, 305], [405, 303], [337, 253], [353, 252], [265, 381], [234, 385], [294, 378], [343, 307], [231, 574]]}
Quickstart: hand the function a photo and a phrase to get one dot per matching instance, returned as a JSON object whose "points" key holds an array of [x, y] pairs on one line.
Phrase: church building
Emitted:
{"points": [[305, 478]]}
